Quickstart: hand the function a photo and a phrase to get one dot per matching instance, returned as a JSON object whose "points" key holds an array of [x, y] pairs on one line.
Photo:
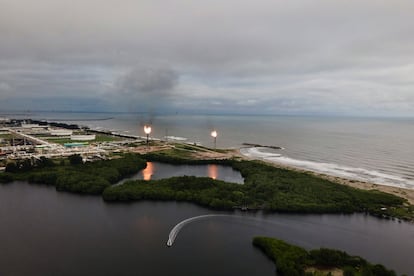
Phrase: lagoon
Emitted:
{"points": [[45, 232], [157, 170]]}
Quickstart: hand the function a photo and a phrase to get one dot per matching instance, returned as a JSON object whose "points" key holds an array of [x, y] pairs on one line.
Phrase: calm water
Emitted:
{"points": [[45, 232], [368, 149], [156, 170]]}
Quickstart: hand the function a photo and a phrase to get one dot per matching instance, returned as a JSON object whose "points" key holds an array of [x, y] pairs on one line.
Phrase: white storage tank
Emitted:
{"points": [[84, 137]]}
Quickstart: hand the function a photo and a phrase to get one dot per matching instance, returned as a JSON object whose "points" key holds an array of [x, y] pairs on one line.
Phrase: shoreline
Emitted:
{"points": [[405, 193]]}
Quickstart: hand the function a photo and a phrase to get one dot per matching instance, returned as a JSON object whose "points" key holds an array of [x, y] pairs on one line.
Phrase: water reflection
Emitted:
{"points": [[155, 171], [148, 171], [127, 237], [212, 171]]}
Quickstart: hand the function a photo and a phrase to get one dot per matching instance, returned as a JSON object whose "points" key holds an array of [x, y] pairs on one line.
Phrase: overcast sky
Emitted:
{"points": [[233, 56]]}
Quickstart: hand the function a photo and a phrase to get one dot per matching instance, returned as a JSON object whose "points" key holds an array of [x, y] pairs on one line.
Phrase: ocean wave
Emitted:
{"points": [[177, 138], [333, 169], [258, 152]]}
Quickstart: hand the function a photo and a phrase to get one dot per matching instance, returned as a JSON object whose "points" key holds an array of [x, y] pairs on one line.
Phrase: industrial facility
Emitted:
{"points": [[25, 139]]}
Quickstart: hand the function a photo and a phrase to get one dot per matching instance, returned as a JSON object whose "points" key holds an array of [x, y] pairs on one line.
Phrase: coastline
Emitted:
{"points": [[207, 153], [407, 194]]}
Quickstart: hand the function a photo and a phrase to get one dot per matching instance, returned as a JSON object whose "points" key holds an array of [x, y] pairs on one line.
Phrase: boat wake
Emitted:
{"points": [[177, 228], [174, 232], [333, 169]]}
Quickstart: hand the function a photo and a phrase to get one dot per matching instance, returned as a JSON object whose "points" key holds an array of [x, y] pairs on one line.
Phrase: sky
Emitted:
{"points": [[320, 57]]}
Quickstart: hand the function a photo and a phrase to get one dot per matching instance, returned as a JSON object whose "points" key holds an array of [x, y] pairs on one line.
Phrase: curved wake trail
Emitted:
{"points": [[177, 228], [174, 232]]}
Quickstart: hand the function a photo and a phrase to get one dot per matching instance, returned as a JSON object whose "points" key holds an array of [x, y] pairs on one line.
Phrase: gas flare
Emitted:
{"points": [[147, 129]]}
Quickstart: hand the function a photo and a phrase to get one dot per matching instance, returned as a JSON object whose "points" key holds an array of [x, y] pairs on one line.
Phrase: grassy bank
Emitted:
{"points": [[292, 260], [98, 138], [183, 156]]}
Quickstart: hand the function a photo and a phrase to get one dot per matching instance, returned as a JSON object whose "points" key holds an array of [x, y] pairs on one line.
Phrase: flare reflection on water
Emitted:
{"points": [[212, 171], [148, 171]]}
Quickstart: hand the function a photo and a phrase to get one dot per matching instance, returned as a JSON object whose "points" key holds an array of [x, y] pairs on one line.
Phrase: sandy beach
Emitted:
{"points": [[235, 153], [401, 192]]}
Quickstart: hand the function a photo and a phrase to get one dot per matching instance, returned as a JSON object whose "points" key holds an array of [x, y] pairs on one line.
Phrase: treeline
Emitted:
{"points": [[292, 260], [45, 123], [78, 177], [63, 125], [291, 191], [266, 187], [5, 178], [201, 190], [185, 160], [29, 164]]}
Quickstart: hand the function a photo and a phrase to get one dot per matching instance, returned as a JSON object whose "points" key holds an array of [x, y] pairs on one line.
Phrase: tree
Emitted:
{"points": [[11, 167], [75, 159]]}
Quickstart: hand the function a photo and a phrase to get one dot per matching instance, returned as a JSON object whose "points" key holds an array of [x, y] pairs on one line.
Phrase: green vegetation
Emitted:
{"points": [[178, 156], [6, 136], [25, 165], [99, 138], [74, 176], [266, 187], [202, 190], [5, 178], [293, 260], [290, 191], [60, 141], [182, 154], [75, 159], [106, 138]]}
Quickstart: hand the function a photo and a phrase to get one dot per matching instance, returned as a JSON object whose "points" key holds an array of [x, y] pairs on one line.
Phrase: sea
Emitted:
{"points": [[48, 232], [376, 150]]}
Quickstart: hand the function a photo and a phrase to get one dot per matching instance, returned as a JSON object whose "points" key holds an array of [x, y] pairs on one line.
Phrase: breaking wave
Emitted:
{"points": [[333, 169], [176, 138]]}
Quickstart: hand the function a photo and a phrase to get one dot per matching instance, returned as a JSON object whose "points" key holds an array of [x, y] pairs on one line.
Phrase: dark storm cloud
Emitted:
{"points": [[354, 57], [148, 82], [144, 88]]}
